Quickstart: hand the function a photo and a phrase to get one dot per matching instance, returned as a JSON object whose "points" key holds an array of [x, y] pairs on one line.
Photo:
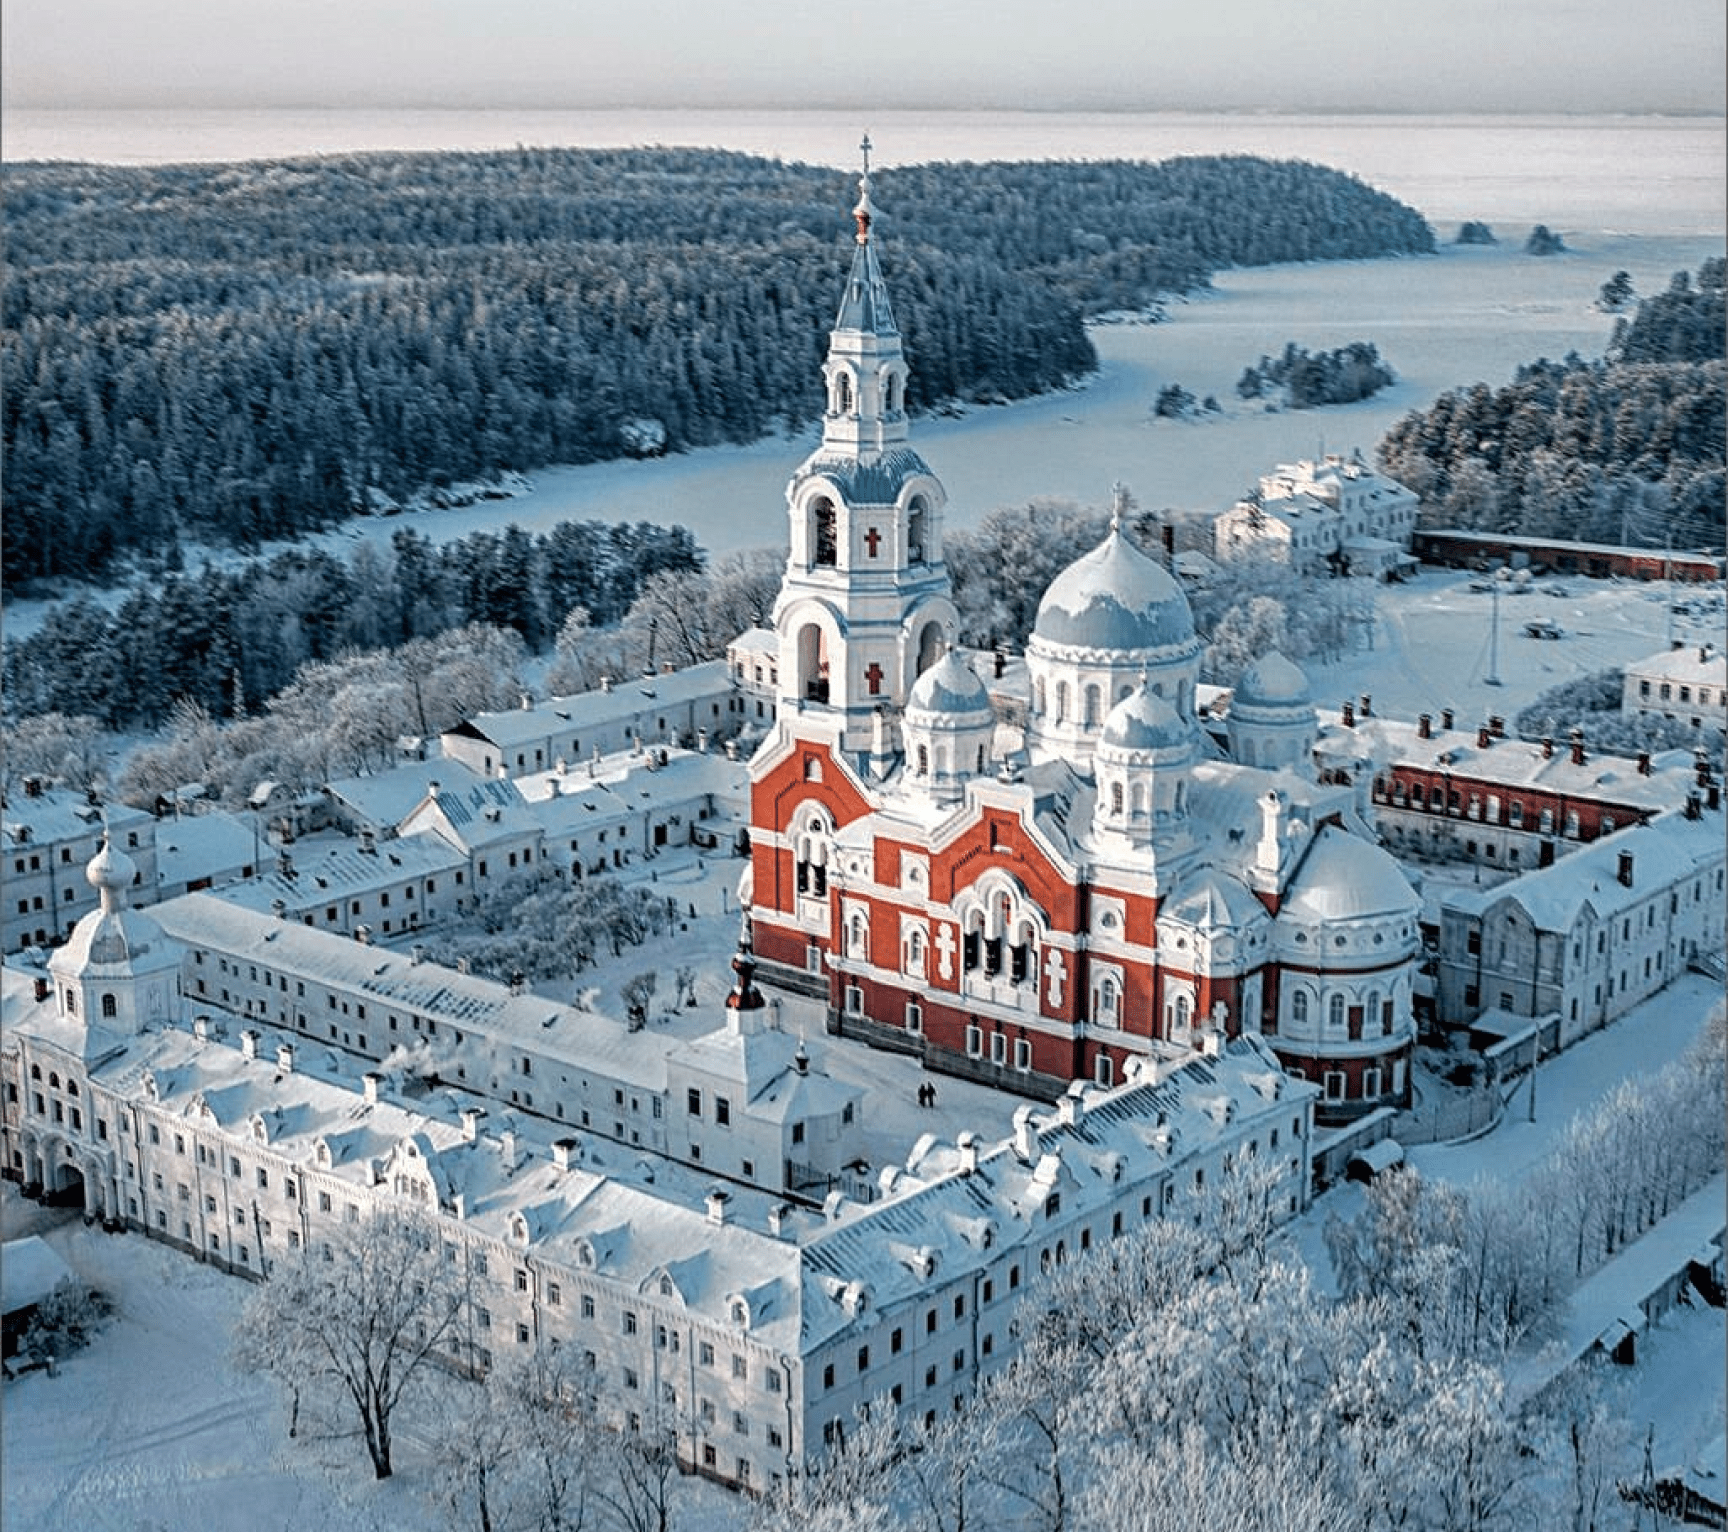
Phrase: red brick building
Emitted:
{"points": [[1030, 907]]}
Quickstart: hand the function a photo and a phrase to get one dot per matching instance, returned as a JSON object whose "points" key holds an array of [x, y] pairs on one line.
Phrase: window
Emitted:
{"points": [[694, 1101], [629, 1322], [705, 1353], [722, 1111], [740, 1369]]}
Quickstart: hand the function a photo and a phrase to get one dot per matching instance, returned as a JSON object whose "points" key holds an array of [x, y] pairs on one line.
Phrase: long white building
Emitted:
{"points": [[240, 1087]]}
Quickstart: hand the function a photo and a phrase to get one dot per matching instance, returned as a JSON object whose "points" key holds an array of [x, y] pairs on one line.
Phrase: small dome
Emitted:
{"points": [[110, 870], [1272, 681], [1344, 877], [1114, 598], [949, 686], [1144, 721]]}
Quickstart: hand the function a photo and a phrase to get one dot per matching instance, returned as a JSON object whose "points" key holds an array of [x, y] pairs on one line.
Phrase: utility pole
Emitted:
{"points": [[1493, 676]]}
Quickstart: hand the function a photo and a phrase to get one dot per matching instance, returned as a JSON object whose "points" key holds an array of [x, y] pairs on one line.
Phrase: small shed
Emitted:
{"points": [[1375, 1160], [29, 1272]]}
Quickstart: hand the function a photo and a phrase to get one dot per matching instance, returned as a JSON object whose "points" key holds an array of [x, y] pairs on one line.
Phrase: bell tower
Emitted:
{"points": [[865, 605]]}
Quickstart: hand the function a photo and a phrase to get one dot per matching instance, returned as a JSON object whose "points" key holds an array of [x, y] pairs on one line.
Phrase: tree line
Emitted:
{"points": [[1626, 449], [227, 639], [225, 354]]}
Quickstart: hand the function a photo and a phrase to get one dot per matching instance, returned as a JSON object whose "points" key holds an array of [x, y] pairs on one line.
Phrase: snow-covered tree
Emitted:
{"points": [[358, 1318]]}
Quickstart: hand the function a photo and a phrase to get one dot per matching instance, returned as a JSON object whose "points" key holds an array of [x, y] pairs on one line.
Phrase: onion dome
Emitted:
{"points": [[1145, 721], [950, 688], [1115, 598], [110, 872], [1272, 681]]}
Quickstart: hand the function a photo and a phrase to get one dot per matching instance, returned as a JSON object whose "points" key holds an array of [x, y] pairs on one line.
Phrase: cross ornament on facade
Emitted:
{"points": [[945, 951], [874, 676], [872, 541], [1058, 971]]}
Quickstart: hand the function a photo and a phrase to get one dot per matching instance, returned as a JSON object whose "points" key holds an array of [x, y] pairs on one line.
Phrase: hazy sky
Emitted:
{"points": [[1416, 55]]}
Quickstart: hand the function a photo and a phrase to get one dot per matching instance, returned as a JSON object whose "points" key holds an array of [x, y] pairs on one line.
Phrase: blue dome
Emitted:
{"points": [[1114, 598], [949, 686], [1144, 721], [1272, 681]]}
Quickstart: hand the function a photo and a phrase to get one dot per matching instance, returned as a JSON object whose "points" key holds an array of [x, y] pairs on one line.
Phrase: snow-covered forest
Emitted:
{"points": [[234, 353], [1628, 448]]}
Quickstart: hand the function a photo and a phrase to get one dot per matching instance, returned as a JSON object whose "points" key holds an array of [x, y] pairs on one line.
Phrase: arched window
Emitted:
{"points": [[923, 760], [915, 524], [1335, 1013], [915, 950], [843, 394], [1061, 702], [1091, 715], [1116, 799], [812, 663], [71, 1007], [1137, 799], [1299, 1006], [1109, 1003], [980, 766], [110, 1007], [824, 535], [1038, 697], [858, 936]]}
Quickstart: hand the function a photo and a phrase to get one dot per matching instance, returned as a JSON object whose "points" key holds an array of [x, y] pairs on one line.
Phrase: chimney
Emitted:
{"points": [[527, 702], [967, 1144], [801, 1059], [518, 983], [701, 741], [417, 954], [370, 1083], [249, 1044], [202, 1028], [1482, 737], [507, 1148], [363, 934], [1445, 718], [731, 749], [717, 1200], [605, 683], [471, 1116], [1692, 807], [1025, 1136], [285, 1058], [1702, 769], [1643, 763], [1624, 872], [432, 790], [1425, 726], [1001, 664], [1365, 705], [1071, 1109], [369, 842], [284, 864], [1713, 796], [1577, 738], [1349, 715], [1703, 653], [1497, 726], [1547, 747], [564, 1153], [41, 987], [279, 908], [777, 1216]]}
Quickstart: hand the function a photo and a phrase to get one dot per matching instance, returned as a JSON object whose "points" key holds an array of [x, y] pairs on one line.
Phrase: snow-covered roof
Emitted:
{"points": [[951, 688], [215, 845], [876, 481], [56, 815], [1668, 850], [329, 870], [29, 1271], [1115, 598], [1511, 762], [384, 799], [596, 709], [1344, 876], [763, 641], [1271, 681], [1145, 721], [1693, 663]]}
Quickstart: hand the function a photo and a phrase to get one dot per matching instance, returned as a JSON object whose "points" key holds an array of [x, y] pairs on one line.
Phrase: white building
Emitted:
{"points": [[1591, 936], [1687, 684], [47, 839], [674, 707], [759, 1320], [1336, 514]]}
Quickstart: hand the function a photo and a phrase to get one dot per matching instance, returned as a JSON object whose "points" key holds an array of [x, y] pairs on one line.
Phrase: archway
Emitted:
{"points": [[812, 663], [65, 1185], [824, 533], [929, 645]]}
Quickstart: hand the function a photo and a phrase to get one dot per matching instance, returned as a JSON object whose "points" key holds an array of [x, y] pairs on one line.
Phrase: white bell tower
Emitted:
{"points": [[865, 605]]}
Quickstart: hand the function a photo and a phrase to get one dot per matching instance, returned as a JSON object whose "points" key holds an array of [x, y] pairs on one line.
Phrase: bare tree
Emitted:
{"points": [[362, 1316]]}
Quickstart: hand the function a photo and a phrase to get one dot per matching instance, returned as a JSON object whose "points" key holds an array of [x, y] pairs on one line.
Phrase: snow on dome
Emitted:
{"points": [[949, 686], [1144, 721], [1344, 877], [110, 870], [1114, 597], [1272, 681]]}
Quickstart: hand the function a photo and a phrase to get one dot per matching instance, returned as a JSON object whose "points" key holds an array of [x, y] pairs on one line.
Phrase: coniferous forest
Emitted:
{"points": [[1628, 448], [225, 354]]}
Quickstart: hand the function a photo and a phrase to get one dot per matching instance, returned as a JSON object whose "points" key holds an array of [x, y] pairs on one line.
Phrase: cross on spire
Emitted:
{"points": [[863, 211], [1118, 504]]}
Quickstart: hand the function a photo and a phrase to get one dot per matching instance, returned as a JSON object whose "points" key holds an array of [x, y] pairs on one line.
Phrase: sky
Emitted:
{"points": [[1140, 55]]}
